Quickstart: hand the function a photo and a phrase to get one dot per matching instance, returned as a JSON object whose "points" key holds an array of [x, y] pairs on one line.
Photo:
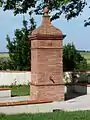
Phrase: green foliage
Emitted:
{"points": [[72, 59], [5, 63], [1, 3], [19, 47], [87, 22], [86, 55], [70, 8]]}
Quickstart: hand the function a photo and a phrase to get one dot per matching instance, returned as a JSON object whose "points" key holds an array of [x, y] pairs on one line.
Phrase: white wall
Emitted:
{"points": [[24, 77], [14, 77]]}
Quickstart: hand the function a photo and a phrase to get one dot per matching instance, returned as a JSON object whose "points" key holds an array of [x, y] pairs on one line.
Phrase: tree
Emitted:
{"points": [[19, 47], [70, 8], [1, 3], [72, 59], [87, 22]]}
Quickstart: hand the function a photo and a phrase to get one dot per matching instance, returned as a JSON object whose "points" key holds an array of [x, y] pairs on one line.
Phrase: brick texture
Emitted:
{"points": [[46, 63]]}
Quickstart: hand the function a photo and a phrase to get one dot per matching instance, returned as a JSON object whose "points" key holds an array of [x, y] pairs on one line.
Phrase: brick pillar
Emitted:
{"points": [[46, 62]]}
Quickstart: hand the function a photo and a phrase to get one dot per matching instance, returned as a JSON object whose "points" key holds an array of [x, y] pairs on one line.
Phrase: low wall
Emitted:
{"points": [[82, 77], [24, 77], [26, 107], [14, 77], [83, 88], [78, 88], [5, 92], [68, 88]]}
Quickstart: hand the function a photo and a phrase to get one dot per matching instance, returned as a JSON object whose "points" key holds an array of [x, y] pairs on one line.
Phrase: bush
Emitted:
{"points": [[6, 64], [72, 59]]}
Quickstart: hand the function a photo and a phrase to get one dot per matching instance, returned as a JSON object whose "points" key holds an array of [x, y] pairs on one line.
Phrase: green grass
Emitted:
{"points": [[4, 55], [86, 55], [20, 90], [84, 115]]}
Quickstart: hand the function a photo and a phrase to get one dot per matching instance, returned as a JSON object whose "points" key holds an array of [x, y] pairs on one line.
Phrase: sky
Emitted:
{"points": [[74, 29]]}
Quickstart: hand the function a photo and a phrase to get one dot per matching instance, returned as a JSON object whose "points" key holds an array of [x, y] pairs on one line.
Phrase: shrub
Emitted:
{"points": [[72, 59]]}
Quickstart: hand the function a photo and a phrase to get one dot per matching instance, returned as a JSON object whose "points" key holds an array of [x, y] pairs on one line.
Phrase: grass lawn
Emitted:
{"points": [[85, 115], [86, 55], [4, 55], [20, 90]]}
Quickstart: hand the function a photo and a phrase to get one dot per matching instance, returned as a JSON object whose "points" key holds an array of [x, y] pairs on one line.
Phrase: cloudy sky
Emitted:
{"points": [[74, 29]]}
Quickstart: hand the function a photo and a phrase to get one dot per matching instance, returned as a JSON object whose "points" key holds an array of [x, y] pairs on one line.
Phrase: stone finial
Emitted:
{"points": [[46, 11], [47, 29]]}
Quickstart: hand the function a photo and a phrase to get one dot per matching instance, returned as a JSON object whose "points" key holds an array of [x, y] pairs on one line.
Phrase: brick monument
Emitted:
{"points": [[46, 62]]}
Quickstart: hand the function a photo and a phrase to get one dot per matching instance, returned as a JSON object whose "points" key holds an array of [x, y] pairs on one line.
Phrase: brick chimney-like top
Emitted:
{"points": [[46, 29]]}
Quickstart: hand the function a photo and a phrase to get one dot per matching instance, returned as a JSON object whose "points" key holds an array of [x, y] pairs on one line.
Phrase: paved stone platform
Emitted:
{"points": [[78, 103]]}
